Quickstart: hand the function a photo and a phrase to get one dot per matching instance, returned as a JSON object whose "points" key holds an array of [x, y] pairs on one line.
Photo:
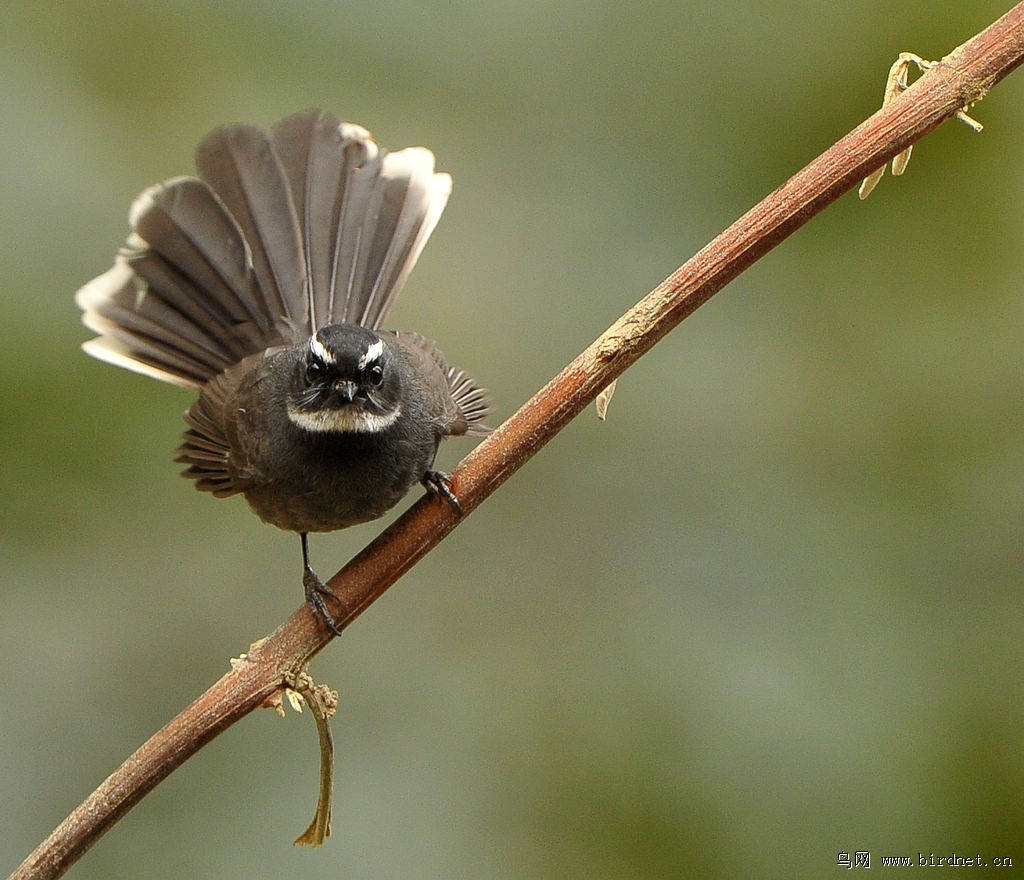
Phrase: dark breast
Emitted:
{"points": [[311, 482]]}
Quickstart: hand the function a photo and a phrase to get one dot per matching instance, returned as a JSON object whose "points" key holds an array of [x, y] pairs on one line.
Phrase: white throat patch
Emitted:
{"points": [[344, 420]]}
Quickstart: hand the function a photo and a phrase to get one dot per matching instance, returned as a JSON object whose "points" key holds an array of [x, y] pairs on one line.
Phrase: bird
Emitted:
{"points": [[263, 283]]}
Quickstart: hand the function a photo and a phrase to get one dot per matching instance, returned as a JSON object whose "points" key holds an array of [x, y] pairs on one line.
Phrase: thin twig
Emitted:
{"points": [[322, 702], [964, 77]]}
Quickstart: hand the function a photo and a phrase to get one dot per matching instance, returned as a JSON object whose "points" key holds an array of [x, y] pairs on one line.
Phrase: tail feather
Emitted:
{"points": [[320, 156], [413, 198], [118, 307], [183, 230], [239, 164], [358, 209]]}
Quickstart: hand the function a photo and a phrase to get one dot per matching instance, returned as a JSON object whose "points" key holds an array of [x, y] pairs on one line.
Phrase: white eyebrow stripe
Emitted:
{"points": [[372, 353], [320, 351]]}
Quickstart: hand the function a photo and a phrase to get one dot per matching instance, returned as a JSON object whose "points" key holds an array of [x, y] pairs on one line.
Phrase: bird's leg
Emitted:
{"points": [[316, 589], [439, 483]]}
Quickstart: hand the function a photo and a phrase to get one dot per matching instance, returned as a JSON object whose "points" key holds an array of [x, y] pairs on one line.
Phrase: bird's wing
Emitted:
{"points": [[466, 404]]}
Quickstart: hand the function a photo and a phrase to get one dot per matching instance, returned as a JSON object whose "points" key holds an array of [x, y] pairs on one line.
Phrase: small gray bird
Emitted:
{"points": [[263, 283]]}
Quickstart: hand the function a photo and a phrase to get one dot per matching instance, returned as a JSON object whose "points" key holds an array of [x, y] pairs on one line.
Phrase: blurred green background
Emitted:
{"points": [[769, 611]]}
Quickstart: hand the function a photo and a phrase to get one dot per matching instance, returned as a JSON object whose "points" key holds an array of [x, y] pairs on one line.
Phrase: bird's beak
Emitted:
{"points": [[346, 389]]}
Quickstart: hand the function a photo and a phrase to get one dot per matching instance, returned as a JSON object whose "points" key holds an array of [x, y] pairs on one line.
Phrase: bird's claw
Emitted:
{"points": [[316, 589], [439, 483]]}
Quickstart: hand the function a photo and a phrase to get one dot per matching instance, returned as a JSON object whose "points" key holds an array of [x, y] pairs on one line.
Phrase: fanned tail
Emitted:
{"points": [[283, 234]]}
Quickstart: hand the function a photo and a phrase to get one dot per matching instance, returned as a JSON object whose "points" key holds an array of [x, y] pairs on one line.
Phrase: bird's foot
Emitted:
{"points": [[316, 589], [439, 483]]}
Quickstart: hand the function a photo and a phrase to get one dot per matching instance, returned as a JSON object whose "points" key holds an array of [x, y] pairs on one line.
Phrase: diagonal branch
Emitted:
{"points": [[960, 79]]}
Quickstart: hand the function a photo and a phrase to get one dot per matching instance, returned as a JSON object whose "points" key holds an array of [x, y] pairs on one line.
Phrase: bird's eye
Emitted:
{"points": [[314, 371], [375, 374]]}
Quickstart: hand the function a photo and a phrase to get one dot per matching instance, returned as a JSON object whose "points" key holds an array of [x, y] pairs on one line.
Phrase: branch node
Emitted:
{"points": [[895, 85]]}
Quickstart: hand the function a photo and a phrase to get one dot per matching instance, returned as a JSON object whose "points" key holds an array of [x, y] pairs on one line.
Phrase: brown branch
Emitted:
{"points": [[963, 77]]}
